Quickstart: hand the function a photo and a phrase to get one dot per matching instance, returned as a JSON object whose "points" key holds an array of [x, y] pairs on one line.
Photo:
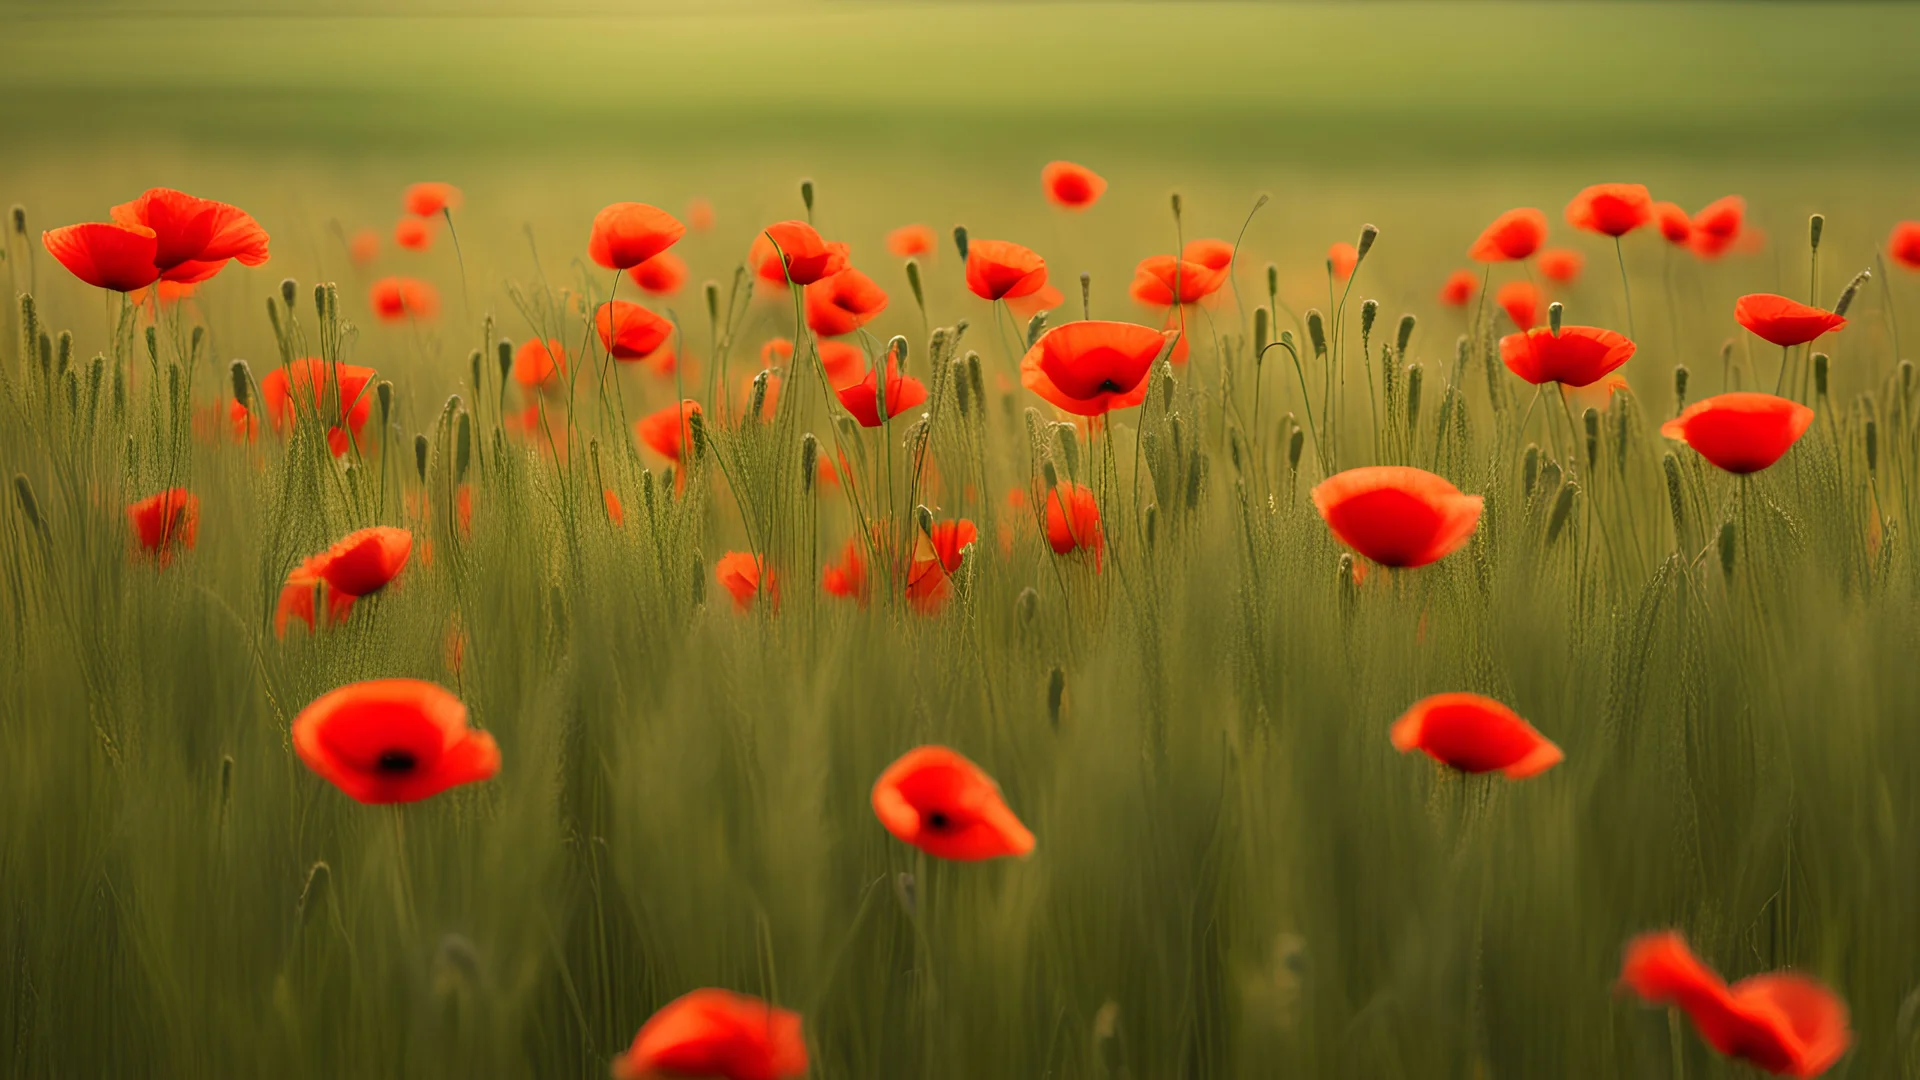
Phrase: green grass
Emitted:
{"points": [[1236, 875]]}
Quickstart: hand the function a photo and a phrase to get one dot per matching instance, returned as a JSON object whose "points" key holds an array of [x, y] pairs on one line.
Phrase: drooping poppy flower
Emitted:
{"points": [[1092, 366], [1578, 355], [1074, 525], [661, 275], [1070, 186], [1475, 734], [626, 234], [627, 330], [1159, 279], [700, 213], [1521, 301], [843, 303], [1903, 246], [950, 540], [364, 247], [943, 804], [397, 298], [106, 256], [1459, 288], [1026, 307], [1342, 258], [669, 431], [1397, 515], [165, 522], [1783, 1023], [910, 240], [1611, 209], [1002, 269], [363, 563], [741, 574], [793, 252], [1562, 264], [616, 512], [848, 577], [1718, 226], [392, 741], [1782, 321], [348, 400], [1513, 235], [902, 392], [194, 237], [413, 233], [431, 197], [1741, 432], [1674, 223], [538, 365], [716, 1034]]}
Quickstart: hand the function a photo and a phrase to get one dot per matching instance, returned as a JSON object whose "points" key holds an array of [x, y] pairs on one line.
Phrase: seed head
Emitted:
{"points": [[420, 448], [1676, 506], [1414, 377], [289, 289], [697, 434], [1529, 470], [1035, 327], [1815, 226], [1273, 279], [1853, 289], [758, 400], [1368, 234], [957, 375], [1369, 311], [975, 377], [1317, 331], [1591, 420], [1679, 388], [1407, 323], [1296, 441], [1086, 295], [806, 196], [1873, 446], [383, 393], [913, 282], [1262, 332], [462, 446], [1049, 475], [503, 356], [1175, 200]]}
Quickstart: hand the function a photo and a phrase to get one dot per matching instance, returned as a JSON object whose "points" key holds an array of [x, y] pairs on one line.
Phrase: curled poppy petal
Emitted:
{"points": [[1215, 255], [392, 741], [431, 197], [1513, 235], [1903, 246], [1001, 269], [1092, 366], [629, 331], [1397, 515], [1047, 298], [165, 522], [910, 240], [793, 252], [1458, 289], [843, 303], [1782, 321], [845, 363], [1611, 209], [943, 804], [1562, 264], [1783, 1023], [1474, 734], [106, 256], [194, 237], [718, 1034], [1521, 301], [1073, 187], [744, 577], [1578, 355], [626, 234], [1741, 432]]}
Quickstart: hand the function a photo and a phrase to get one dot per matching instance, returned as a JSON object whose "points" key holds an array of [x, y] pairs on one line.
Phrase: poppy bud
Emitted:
{"points": [[806, 196], [1591, 420], [1562, 508], [960, 240], [1726, 548], [1529, 470], [809, 460], [1049, 474], [273, 316], [1679, 389], [957, 375], [1175, 199], [975, 377], [1027, 603], [697, 434], [1317, 331], [1262, 331], [313, 894], [473, 368], [1820, 362], [759, 399], [1296, 442], [1853, 288], [1873, 446], [319, 298], [1086, 295], [242, 382], [1273, 279], [420, 456], [1555, 312], [1670, 465], [1414, 376], [897, 348], [29, 506], [503, 354], [1369, 311], [462, 446], [383, 393], [1368, 234], [19, 219], [1815, 225], [1035, 327], [194, 342], [1056, 689], [913, 282]]}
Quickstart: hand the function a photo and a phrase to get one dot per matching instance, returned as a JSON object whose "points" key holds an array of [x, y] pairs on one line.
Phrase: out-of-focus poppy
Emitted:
{"points": [[1047, 298], [1521, 301], [1397, 515], [364, 247], [950, 539], [1674, 223], [1611, 209], [661, 275], [1782, 321], [1342, 257], [903, 392], [1783, 1023], [1598, 395], [1717, 226], [1458, 289], [627, 330], [432, 197], [1092, 366], [106, 256], [1576, 356], [943, 804], [843, 303], [314, 380], [297, 597], [717, 1034], [700, 214], [165, 522], [1903, 246], [807, 257], [669, 431], [845, 363], [398, 298], [769, 401], [616, 513], [1475, 734], [1215, 255], [741, 574], [626, 234], [194, 237], [392, 741], [364, 562], [538, 365], [910, 240], [1070, 186], [1741, 432], [1159, 279], [413, 233], [1562, 264], [1002, 269], [1513, 235], [1073, 522], [928, 589], [848, 577]]}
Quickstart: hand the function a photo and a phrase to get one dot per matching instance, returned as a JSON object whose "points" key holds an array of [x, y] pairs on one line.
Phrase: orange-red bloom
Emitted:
{"points": [[413, 233], [661, 275], [1475, 734], [1459, 288], [314, 380], [1578, 355], [392, 741], [943, 804], [431, 197], [1561, 264], [909, 240], [1513, 235], [743, 576], [1786, 1024], [1741, 432], [1159, 279], [1074, 524], [616, 512], [1717, 226], [539, 364], [669, 431], [1397, 515], [397, 298], [1092, 366], [903, 392], [1002, 269], [848, 577], [1903, 246], [1674, 223], [950, 540], [106, 256], [194, 237], [164, 522], [843, 303], [627, 234], [1074, 187], [1215, 255], [1783, 321], [792, 251], [1521, 301], [628, 331], [716, 1034], [1341, 259], [364, 562], [1611, 209]]}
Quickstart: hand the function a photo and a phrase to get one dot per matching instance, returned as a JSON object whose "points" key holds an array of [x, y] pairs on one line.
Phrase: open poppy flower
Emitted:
{"points": [[1521, 301], [313, 380], [944, 805], [161, 523], [1458, 289], [950, 540], [1070, 186], [1159, 279], [194, 237], [392, 741], [668, 431], [910, 240], [413, 233], [1092, 366], [1783, 1023], [928, 589], [1073, 522], [1611, 209], [1342, 258], [1397, 515], [843, 303], [398, 298], [1782, 321], [716, 1034], [364, 562], [627, 330], [848, 577], [106, 256], [1741, 432], [862, 399], [431, 197], [1513, 235], [539, 364], [1578, 355], [792, 251], [1047, 298], [661, 275], [1903, 246], [845, 363], [1562, 264], [740, 573], [1717, 226], [1475, 734], [626, 234], [1674, 223], [1002, 269]]}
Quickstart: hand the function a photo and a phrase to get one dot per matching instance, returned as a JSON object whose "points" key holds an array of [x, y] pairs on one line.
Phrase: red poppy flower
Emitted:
{"points": [[1903, 246], [863, 398], [297, 596], [848, 577], [431, 197], [1782, 321], [1783, 1023], [700, 214], [627, 330], [669, 431], [944, 805], [1459, 288], [106, 256], [1215, 255], [364, 562], [1718, 226], [392, 741], [1577, 356], [844, 362], [1513, 235], [194, 237], [1562, 264], [616, 511], [909, 240], [413, 234], [949, 540], [538, 364], [1092, 366], [397, 298], [843, 303], [1475, 734], [1001, 269], [1074, 525], [718, 1034], [165, 521], [1611, 209], [1074, 187], [1160, 278], [661, 275], [807, 257], [740, 573], [1674, 223], [1397, 515], [1026, 307], [928, 589], [1741, 432], [314, 380], [1343, 257], [1521, 301], [626, 234]]}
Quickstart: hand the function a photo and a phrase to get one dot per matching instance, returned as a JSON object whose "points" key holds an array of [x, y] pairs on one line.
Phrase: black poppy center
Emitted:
{"points": [[1110, 387], [937, 821], [395, 761]]}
